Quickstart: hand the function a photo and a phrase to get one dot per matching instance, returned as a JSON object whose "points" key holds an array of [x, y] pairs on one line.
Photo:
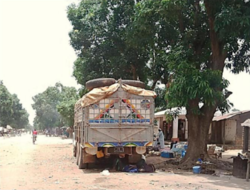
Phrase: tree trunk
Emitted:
{"points": [[154, 84], [198, 125], [198, 128], [197, 135], [133, 68]]}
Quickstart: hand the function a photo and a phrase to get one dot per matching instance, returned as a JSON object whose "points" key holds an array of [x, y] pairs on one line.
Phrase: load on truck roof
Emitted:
{"points": [[99, 93]]}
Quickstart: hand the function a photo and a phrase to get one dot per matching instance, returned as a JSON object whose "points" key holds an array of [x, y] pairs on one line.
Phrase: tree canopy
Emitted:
{"points": [[55, 106], [199, 38], [11, 110], [101, 39]]}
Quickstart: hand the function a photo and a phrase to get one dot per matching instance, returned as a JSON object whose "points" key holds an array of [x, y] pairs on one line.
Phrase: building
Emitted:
{"points": [[175, 129], [246, 136], [225, 129]]}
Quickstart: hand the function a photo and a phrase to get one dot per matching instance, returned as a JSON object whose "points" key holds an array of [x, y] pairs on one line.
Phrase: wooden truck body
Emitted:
{"points": [[121, 123]]}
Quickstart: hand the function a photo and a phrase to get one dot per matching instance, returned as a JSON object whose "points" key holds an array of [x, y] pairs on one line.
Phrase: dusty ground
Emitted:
{"points": [[49, 165]]}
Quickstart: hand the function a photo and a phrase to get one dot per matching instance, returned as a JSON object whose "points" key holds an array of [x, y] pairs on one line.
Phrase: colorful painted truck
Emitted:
{"points": [[114, 119]]}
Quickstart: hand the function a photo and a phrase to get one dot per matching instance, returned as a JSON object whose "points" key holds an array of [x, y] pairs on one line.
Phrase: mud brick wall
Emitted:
{"points": [[240, 130]]}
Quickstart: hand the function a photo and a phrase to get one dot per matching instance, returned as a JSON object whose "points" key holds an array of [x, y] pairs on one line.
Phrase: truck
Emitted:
{"points": [[114, 117]]}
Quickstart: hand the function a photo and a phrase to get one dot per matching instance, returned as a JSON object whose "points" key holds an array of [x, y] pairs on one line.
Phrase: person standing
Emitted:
{"points": [[34, 134], [159, 143]]}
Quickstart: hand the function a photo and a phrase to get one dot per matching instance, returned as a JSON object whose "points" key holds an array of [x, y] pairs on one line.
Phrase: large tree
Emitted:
{"points": [[67, 104], [6, 103], [11, 110], [55, 106], [101, 39], [201, 38], [20, 117]]}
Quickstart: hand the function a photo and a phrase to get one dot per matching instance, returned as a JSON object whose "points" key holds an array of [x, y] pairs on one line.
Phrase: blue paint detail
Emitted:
{"points": [[135, 120], [117, 121], [115, 144], [103, 121]]}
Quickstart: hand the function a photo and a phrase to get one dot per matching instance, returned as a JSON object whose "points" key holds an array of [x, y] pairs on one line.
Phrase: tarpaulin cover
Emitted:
{"points": [[138, 91], [98, 94]]}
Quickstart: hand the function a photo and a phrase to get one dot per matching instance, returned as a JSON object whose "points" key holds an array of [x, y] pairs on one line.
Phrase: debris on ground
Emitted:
{"points": [[105, 172]]}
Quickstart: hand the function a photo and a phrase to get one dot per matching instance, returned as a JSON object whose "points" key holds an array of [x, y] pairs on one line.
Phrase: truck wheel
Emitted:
{"points": [[77, 153], [81, 165], [101, 82], [134, 83], [74, 151]]}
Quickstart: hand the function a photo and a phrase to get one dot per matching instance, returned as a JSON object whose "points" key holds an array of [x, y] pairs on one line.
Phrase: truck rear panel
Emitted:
{"points": [[123, 119]]}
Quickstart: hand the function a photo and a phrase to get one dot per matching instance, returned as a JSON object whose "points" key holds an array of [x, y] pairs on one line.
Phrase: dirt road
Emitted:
{"points": [[49, 165]]}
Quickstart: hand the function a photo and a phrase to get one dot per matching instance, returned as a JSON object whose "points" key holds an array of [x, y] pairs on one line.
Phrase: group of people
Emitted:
{"points": [[121, 163]]}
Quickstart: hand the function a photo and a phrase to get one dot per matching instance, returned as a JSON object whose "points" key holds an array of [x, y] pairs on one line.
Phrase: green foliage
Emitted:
{"points": [[196, 37], [66, 106], [11, 110], [160, 102], [6, 103], [101, 37], [232, 24], [169, 117], [55, 106], [185, 43], [20, 115], [190, 82]]}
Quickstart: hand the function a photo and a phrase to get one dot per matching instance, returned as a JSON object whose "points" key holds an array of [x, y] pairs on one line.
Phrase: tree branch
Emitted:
{"points": [[218, 53]]}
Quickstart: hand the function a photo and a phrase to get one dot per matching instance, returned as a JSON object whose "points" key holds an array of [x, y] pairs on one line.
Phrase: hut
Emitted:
{"points": [[246, 134]]}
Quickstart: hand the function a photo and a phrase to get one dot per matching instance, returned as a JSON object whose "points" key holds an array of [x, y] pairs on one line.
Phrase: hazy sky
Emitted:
{"points": [[35, 52]]}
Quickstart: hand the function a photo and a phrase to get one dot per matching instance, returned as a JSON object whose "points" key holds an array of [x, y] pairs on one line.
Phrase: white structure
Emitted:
{"points": [[174, 130]]}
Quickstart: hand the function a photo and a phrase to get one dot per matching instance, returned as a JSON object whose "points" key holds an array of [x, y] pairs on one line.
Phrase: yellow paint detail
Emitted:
{"points": [[88, 145], [130, 145], [149, 144], [108, 145]]}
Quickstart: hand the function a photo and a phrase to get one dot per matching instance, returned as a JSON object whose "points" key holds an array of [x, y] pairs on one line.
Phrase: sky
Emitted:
{"points": [[35, 51]]}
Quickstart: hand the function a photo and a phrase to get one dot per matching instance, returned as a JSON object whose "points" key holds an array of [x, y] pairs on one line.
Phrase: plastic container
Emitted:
{"points": [[167, 154], [196, 169], [183, 153], [185, 147]]}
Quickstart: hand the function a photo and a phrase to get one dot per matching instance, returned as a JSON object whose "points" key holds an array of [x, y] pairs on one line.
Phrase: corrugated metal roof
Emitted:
{"points": [[216, 117], [229, 115], [160, 113], [246, 123], [225, 116], [182, 111]]}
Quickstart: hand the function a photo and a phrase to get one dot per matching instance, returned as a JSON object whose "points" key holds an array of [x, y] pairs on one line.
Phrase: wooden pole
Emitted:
{"points": [[248, 169], [245, 140], [223, 131]]}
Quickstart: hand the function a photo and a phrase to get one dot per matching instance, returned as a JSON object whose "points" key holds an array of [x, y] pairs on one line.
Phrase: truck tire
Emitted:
{"points": [[77, 153], [134, 83], [101, 82], [74, 151], [81, 165]]}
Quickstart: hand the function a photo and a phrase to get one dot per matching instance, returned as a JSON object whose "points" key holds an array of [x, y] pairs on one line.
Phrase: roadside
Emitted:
{"points": [[50, 165]]}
